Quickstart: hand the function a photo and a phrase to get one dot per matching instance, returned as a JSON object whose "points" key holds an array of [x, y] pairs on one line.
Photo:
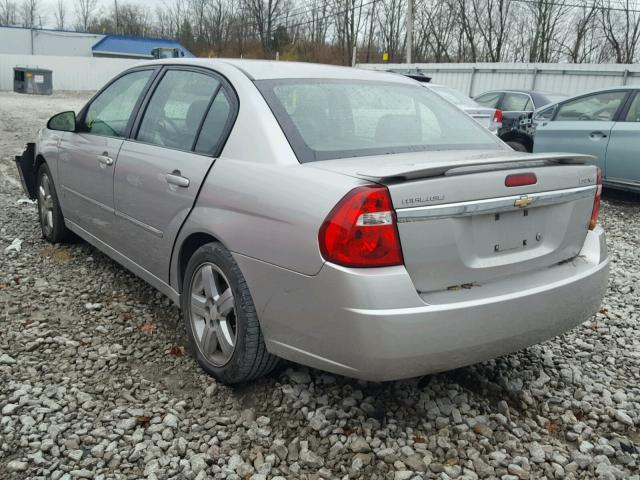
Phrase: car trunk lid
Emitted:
{"points": [[484, 116], [460, 226]]}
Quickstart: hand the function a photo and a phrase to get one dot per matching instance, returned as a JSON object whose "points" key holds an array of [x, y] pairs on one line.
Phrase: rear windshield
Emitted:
{"points": [[454, 96], [329, 119]]}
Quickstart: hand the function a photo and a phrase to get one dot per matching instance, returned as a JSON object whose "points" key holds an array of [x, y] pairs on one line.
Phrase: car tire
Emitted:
{"points": [[49, 212], [220, 318], [517, 146]]}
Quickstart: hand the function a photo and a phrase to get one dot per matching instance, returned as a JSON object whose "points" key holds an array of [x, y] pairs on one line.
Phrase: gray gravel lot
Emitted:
{"points": [[95, 382]]}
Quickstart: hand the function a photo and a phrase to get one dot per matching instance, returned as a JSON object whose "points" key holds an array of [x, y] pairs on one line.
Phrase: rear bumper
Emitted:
{"points": [[372, 324]]}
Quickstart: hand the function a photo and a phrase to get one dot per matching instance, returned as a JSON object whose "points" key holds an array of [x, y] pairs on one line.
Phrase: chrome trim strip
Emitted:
{"points": [[138, 223], [90, 200], [491, 205]]}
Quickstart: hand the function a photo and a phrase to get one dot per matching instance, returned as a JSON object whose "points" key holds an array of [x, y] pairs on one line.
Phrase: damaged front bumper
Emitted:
{"points": [[26, 165]]}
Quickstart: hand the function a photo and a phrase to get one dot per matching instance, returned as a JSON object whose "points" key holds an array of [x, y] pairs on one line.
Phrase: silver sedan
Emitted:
{"points": [[348, 220]]}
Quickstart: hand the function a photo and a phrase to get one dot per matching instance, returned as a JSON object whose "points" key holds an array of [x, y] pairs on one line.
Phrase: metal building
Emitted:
{"points": [[123, 46], [34, 41]]}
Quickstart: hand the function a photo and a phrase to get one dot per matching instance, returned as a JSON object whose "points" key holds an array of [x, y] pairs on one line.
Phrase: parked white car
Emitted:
{"points": [[490, 118]]}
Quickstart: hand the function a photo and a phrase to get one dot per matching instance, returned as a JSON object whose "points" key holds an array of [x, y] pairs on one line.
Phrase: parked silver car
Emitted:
{"points": [[490, 118], [348, 220]]}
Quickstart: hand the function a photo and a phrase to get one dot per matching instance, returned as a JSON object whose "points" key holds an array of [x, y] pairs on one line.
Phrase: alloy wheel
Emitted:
{"points": [[213, 314], [45, 204]]}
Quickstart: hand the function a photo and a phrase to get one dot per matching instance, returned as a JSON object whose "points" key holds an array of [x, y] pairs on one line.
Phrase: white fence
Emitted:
{"points": [[69, 73], [90, 73], [566, 79]]}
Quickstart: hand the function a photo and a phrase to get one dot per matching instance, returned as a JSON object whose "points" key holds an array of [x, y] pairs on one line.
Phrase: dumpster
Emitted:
{"points": [[36, 81]]}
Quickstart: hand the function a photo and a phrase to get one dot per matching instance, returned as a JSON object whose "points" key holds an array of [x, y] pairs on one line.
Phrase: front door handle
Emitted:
{"points": [[105, 160], [176, 178], [597, 135]]}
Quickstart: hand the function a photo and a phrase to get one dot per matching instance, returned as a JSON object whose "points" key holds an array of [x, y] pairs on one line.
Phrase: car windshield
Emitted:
{"points": [[327, 119], [553, 99], [454, 96]]}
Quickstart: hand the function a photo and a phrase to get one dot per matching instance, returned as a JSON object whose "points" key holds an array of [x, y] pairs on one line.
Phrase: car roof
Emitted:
{"points": [[273, 70], [547, 94], [608, 89], [517, 90]]}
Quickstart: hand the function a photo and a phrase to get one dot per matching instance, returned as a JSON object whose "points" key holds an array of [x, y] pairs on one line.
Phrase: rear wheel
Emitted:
{"points": [[517, 146], [49, 212], [220, 318]]}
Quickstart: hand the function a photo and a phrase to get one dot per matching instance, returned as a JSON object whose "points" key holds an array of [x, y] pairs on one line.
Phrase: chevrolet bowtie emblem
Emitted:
{"points": [[523, 202]]}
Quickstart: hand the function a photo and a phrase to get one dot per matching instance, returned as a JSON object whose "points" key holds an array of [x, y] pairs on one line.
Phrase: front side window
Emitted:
{"points": [[516, 102], [109, 113], [176, 109], [489, 99], [633, 115], [598, 107], [328, 119]]}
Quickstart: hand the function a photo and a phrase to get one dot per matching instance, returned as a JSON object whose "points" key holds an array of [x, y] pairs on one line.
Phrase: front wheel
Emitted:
{"points": [[220, 318], [49, 212]]}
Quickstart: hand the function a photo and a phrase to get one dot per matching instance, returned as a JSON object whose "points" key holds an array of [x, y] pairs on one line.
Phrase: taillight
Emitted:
{"points": [[596, 201], [361, 230], [520, 179], [497, 117]]}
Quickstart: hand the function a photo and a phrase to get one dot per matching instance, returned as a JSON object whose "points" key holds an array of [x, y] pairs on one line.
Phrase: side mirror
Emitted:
{"points": [[65, 122]]}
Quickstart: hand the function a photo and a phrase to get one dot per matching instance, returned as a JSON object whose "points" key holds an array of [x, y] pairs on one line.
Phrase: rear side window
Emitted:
{"points": [[327, 119], [215, 124], [109, 113], [516, 102], [176, 109], [633, 115], [489, 99], [597, 107]]}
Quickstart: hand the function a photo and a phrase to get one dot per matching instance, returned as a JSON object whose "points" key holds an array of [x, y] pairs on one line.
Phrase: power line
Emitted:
{"points": [[592, 6], [335, 14], [324, 17], [298, 11]]}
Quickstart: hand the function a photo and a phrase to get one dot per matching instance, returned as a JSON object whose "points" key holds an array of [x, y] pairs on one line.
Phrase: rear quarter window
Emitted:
{"points": [[489, 99]]}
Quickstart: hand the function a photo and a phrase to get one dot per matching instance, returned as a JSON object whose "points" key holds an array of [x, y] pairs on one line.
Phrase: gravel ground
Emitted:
{"points": [[95, 382]]}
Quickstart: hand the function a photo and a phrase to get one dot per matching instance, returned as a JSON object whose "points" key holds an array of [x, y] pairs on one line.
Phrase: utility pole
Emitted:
{"points": [[116, 8], [409, 29]]}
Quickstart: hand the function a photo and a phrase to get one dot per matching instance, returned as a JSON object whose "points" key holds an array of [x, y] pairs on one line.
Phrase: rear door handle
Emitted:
{"points": [[597, 135], [105, 160], [175, 178]]}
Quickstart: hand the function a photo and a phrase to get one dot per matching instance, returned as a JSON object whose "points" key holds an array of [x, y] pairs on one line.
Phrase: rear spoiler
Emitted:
{"points": [[405, 172]]}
